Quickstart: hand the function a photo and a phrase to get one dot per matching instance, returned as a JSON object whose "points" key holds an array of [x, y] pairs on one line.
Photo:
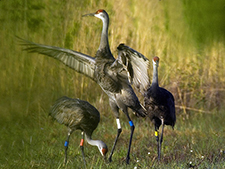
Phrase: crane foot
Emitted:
{"points": [[127, 160], [110, 159]]}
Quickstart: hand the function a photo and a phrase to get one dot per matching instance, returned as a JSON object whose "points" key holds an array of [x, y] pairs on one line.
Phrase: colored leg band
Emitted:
{"points": [[82, 142], [131, 123], [66, 143], [156, 133], [118, 123]]}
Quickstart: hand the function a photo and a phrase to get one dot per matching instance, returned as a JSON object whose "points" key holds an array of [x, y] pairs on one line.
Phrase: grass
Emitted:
{"points": [[191, 66], [40, 145]]}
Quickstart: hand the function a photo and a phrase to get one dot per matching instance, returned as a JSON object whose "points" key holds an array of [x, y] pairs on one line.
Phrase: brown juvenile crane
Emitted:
{"points": [[104, 69], [77, 114], [158, 101]]}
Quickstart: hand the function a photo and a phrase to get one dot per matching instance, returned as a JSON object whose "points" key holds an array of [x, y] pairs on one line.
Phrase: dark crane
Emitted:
{"points": [[160, 106], [104, 69], [158, 101], [78, 115]]}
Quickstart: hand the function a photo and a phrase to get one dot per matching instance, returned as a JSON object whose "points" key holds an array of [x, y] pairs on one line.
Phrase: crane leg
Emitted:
{"points": [[119, 130], [157, 139], [82, 148], [66, 147], [132, 127], [160, 141]]}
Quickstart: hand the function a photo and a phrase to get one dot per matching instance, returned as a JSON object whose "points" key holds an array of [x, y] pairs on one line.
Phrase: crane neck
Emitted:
{"points": [[92, 142], [104, 43], [155, 75]]}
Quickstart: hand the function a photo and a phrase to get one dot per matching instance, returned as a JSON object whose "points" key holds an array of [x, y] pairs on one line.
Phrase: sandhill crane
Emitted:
{"points": [[158, 101], [77, 114], [104, 69], [160, 106]]}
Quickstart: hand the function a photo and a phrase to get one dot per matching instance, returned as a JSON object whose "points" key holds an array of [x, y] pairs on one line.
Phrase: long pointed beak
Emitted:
{"points": [[90, 14]]}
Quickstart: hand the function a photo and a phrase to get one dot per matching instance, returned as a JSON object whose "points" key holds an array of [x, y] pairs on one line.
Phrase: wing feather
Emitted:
{"points": [[136, 66], [78, 61]]}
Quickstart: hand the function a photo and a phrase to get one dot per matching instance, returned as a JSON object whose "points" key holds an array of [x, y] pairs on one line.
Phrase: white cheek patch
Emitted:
{"points": [[118, 123]]}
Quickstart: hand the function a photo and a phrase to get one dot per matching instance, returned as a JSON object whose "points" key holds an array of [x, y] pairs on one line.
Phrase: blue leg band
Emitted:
{"points": [[131, 123], [66, 143]]}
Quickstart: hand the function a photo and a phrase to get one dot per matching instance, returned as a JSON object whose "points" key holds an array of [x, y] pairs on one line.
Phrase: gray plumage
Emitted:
{"points": [[77, 114], [104, 69], [136, 65]]}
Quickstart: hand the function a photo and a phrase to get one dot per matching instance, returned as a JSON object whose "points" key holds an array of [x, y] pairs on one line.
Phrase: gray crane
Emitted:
{"points": [[77, 114], [158, 101], [104, 69]]}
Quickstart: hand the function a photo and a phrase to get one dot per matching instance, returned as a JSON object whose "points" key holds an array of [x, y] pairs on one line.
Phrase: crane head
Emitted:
{"points": [[102, 148], [101, 14], [104, 151], [155, 61]]}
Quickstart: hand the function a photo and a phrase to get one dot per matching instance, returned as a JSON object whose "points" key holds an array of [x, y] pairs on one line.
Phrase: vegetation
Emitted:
{"points": [[188, 37]]}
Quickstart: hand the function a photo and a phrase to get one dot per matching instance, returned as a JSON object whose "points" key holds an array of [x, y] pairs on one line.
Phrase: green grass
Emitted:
{"points": [[40, 145], [192, 67]]}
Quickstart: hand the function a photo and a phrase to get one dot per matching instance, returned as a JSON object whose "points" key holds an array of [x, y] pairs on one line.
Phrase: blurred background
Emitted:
{"points": [[187, 36]]}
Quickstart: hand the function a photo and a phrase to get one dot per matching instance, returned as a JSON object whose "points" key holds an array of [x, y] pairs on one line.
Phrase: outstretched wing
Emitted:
{"points": [[78, 61], [136, 66]]}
